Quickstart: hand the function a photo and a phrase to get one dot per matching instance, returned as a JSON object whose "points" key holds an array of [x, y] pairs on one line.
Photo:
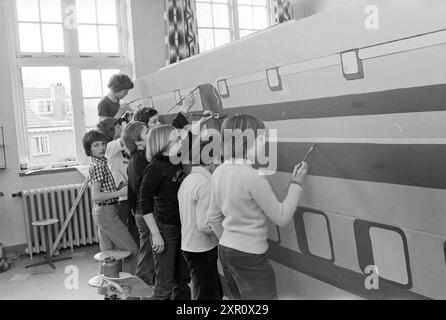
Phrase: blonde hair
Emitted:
{"points": [[158, 140], [238, 125]]}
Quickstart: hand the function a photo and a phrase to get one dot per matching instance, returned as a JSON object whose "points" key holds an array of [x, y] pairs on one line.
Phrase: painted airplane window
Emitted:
{"points": [[318, 237], [389, 255], [40, 26]]}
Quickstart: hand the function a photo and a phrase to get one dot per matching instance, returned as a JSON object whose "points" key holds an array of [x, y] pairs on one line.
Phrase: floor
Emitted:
{"points": [[69, 281]]}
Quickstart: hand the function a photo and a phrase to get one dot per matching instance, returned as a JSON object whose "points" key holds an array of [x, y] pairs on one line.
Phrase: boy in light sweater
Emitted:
{"points": [[241, 201]]}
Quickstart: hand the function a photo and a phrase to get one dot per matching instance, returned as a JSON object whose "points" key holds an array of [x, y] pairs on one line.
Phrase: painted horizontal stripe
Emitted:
{"points": [[401, 126], [366, 140], [384, 73], [339, 277], [413, 43], [413, 165], [417, 99], [385, 203], [417, 42]]}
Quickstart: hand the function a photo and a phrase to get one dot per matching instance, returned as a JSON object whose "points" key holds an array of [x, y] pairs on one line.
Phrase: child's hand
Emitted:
{"points": [[207, 115], [124, 108], [188, 102], [300, 172], [122, 184], [122, 191], [157, 243]]}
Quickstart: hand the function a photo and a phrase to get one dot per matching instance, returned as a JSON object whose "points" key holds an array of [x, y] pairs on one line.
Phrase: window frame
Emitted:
{"points": [[39, 138], [234, 24], [43, 101], [75, 62], [120, 29], [15, 25]]}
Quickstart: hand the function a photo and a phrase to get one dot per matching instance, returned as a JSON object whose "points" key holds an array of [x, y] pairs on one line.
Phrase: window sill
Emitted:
{"points": [[28, 173]]}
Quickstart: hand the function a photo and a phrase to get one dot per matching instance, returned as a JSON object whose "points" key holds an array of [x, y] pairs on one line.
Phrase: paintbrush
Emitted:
{"points": [[303, 160], [182, 99], [122, 183]]}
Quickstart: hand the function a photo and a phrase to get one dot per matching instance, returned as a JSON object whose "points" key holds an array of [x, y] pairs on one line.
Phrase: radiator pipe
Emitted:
{"points": [[18, 194]]}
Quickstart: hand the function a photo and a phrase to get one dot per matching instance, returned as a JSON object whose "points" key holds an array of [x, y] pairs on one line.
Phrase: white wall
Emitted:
{"points": [[148, 31], [304, 8]]}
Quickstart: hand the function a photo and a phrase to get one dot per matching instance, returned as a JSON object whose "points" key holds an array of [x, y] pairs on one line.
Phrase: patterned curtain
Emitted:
{"points": [[182, 31], [282, 11]]}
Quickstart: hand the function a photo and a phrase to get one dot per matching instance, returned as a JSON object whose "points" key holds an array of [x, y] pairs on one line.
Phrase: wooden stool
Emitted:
{"points": [[118, 254], [49, 259]]}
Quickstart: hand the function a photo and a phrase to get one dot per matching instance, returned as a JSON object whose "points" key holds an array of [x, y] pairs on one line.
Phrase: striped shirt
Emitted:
{"points": [[100, 172]]}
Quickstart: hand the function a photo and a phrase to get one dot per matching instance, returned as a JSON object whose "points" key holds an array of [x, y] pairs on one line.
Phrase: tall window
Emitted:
{"points": [[221, 21], [65, 53]]}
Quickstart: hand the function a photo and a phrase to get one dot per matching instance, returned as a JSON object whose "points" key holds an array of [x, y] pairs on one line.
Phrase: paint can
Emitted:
{"points": [[110, 267]]}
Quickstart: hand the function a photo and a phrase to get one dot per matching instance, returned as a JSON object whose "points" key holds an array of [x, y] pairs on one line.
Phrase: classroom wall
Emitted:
{"points": [[149, 31], [149, 52], [304, 8]]}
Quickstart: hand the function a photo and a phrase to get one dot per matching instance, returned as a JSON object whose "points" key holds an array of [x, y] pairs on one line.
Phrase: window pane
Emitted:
{"points": [[259, 2], [204, 15], [220, 15], [106, 75], [205, 39], [260, 16], [107, 11], [91, 83], [244, 2], [88, 38], [86, 11], [27, 10], [29, 34], [50, 11], [108, 39], [52, 38], [244, 33], [222, 37], [389, 254], [91, 113], [48, 84], [245, 17], [220, 1]]}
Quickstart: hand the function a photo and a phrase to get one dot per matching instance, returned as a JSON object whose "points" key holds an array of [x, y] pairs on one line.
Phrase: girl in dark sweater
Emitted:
{"points": [[158, 204]]}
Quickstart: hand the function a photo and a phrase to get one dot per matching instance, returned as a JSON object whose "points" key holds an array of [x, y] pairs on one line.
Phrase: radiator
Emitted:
{"points": [[55, 203]]}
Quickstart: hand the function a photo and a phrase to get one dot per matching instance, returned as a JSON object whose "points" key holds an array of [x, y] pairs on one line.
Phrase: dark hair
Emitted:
{"points": [[107, 127], [119, 82], [90, 137], [132, 134], [237, 126], [144, 114]]}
